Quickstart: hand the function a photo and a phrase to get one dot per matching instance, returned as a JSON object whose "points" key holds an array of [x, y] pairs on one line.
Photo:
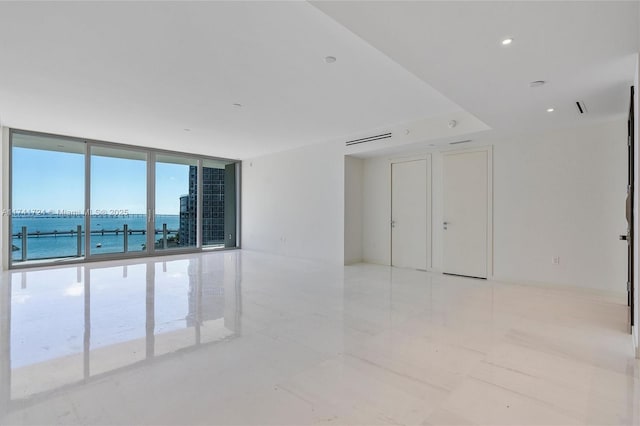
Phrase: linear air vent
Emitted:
{"points": [[582, 109], [456, 143], [368, 139]]}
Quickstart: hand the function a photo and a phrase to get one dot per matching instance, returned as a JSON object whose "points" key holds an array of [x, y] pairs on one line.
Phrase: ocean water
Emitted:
{"points": [[50, 246]]}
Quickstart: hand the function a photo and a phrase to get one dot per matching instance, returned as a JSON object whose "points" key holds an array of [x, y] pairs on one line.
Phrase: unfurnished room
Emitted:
{"points": [[319, 213]]}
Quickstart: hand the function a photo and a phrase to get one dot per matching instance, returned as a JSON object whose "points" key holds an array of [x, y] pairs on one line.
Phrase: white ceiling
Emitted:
{"points": [[142, 72], [584, 50]]}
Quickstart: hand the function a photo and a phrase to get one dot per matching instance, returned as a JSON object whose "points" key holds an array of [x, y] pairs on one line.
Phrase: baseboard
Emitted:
{"points": [[376, 262], [617, 297]]}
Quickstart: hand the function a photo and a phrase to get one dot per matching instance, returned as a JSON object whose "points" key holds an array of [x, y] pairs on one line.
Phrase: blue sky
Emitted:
{"points": [[50, 180]]}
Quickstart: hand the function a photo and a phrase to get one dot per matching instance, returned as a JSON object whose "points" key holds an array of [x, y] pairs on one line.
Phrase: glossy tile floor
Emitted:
{"points": [[247, 338]]}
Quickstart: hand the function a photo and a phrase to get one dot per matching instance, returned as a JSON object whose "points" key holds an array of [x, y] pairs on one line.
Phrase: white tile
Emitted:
{"points": [[487, 404], [255, 339]]}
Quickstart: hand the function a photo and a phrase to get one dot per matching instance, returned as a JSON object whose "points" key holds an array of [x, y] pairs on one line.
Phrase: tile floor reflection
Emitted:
{"points": [[247, 338]]}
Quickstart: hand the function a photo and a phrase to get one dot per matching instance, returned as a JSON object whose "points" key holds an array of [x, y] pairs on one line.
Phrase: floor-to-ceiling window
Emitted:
{"points": [[176, 213], [118, 219], [218, 203], [47, 197], [72, 199]]}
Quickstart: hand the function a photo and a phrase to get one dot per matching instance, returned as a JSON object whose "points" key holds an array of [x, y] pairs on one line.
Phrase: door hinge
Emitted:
{"points": [[628, 286]]}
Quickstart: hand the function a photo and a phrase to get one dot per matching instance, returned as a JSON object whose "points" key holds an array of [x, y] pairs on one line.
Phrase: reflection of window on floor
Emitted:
{"points": [[108, 319]]}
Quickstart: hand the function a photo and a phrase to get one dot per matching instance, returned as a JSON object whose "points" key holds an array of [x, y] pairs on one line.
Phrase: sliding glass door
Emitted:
{"points": [[118, 220], [176, 213], [219, 204], [47, 198]]}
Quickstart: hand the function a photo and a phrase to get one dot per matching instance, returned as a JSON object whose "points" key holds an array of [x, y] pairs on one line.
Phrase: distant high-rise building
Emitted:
{"points": [[212, 208], [188, 222]]}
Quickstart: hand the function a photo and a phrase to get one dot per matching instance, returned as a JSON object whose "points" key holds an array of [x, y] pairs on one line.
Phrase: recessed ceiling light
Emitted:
{"points": [[329, 59], [237, 105], [550, 109], [507, 41], [537, 83]]}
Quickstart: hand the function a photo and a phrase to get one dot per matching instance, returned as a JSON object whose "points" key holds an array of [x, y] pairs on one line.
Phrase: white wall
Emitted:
{"points": [[556, 194], [562, 194], [353, 193], [293, 203]]}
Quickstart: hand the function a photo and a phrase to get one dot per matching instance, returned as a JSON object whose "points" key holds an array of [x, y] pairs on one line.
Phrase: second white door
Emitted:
{"points": [[465, 213], [409, 226]]}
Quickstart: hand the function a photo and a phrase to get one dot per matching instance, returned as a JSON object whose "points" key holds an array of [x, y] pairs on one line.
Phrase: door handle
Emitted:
{"points": [[624, 237]]}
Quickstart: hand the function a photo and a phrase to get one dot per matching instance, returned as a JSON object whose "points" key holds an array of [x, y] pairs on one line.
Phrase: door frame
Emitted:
{"points": [[631, 200], [489, 150], [429, 188]]}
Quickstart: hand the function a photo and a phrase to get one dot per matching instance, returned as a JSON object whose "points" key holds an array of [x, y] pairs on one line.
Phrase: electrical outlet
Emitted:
{"points": [[555, 260]]}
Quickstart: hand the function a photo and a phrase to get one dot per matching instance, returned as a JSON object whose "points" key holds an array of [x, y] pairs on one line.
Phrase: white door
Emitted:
{"points": [[409, 214], [465, 213]]}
